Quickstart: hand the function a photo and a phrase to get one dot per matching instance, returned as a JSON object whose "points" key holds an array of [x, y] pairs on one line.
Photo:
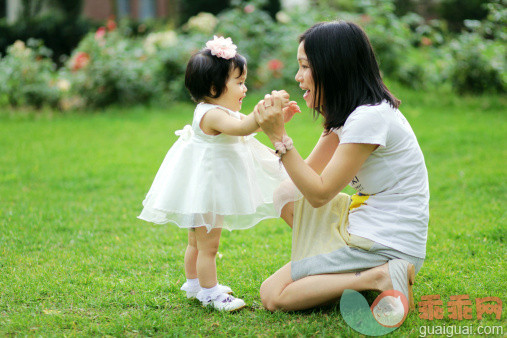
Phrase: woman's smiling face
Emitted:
{"points": [[304, 77]]}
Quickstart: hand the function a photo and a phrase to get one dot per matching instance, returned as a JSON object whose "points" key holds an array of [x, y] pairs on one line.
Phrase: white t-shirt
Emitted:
{"points": [[391, 206]]}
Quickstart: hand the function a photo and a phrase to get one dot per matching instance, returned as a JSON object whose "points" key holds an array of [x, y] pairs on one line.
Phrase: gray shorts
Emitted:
{"points": [[321, 243], [349, 259]]}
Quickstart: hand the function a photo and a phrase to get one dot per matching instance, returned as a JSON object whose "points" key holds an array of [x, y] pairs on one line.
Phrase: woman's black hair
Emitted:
{"points": [[344, 70], [207, 75]]}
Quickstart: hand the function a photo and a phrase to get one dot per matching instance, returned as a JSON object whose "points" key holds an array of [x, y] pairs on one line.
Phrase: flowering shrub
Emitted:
{"points": [[107, 68], [481, 63], [268, 45], [155, 42], [79, 60], [275, 66], [203, 22], [27, 76], [389, 35], [173, 62], [250, 29], [113, 66]]}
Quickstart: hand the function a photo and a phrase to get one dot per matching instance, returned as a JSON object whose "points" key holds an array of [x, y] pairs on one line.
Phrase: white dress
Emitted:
{"points": [[214, 181]]}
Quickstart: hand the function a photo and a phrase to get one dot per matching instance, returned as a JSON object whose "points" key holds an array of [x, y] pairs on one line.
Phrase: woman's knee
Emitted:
{"points": [[270, 306], [272, 288], [273, 303], [271, 296], [268, 298]]}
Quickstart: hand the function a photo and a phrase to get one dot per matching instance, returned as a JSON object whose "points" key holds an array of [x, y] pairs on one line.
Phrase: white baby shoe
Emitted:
{"points": [[221, 301]]}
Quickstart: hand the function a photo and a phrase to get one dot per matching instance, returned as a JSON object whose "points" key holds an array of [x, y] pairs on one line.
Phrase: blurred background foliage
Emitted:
{"points": [[59, 59]]}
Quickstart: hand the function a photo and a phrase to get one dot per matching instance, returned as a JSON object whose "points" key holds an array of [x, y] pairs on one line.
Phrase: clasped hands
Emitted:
{"points": [[273, 112]]}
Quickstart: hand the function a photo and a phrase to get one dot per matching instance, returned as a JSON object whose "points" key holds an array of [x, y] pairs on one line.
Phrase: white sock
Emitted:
{"points": [[206, 292], [194, 282]]}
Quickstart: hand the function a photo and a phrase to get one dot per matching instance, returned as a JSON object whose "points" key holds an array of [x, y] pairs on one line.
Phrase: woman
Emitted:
{"points": [[376, 239]]}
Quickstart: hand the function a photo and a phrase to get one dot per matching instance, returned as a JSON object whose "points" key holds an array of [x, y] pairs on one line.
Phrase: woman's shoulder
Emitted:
{"points": [[366, 116], [369, 113], [372, 114], [381, 107]]}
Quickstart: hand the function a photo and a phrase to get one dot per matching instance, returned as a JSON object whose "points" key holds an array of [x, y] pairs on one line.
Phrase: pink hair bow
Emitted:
{"points": [[222, 48]]}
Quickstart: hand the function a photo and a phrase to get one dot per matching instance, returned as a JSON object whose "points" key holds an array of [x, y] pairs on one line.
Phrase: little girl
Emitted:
{"points": [[215, 176]]}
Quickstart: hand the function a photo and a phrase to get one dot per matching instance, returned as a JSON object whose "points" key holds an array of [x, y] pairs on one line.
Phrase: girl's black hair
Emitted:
{"points": [[344, 70], [207, 75]]}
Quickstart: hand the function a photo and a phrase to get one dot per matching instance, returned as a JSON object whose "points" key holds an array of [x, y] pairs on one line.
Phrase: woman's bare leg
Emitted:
{"points": [[191, 256], [207, 246], [280, 292]]}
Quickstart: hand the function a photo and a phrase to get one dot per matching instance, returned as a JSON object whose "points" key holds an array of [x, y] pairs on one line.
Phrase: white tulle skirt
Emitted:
{"points": [[225, 185]]}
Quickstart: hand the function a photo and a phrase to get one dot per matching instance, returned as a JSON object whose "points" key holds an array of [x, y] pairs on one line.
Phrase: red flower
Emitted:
{"points": [[80, 60], [275, 64], [111, 24], [100, 33], [426, 41], [365, 18]]}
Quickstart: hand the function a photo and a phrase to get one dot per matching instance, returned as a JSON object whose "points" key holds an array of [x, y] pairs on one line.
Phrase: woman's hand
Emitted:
{"points": [[270, 116]]}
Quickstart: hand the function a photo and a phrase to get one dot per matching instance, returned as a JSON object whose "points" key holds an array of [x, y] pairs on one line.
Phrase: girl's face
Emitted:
{"points": [[235, 91], [305, 78]]}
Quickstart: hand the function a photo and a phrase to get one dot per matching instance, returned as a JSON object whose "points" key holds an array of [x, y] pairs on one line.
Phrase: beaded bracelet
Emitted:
{"points": [[283, 146]]}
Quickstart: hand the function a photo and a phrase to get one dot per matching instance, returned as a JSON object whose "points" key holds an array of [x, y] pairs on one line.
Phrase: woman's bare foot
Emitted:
{"points": [[384, 282], [383, 279]]}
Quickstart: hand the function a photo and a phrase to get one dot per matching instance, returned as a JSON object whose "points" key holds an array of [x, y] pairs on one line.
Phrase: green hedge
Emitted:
{"points": [[60, 33], [116, 66]]}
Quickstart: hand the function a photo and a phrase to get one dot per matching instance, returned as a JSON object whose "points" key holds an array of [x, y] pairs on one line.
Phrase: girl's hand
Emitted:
{"points": [[289, 111], [270, 116]]}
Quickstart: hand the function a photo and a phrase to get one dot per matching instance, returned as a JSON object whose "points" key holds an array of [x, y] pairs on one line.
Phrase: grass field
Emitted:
{"points": [[74, 260]]}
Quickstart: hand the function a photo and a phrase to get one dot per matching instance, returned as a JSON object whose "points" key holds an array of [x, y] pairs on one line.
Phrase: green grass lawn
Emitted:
{"points": [[75, 260]]}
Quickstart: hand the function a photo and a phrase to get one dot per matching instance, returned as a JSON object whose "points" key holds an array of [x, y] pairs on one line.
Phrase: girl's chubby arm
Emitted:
{"points": [[243, 116], [217, 121]]}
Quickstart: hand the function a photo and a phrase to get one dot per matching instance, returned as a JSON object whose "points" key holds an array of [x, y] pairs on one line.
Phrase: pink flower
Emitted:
{"points": [[100, 33], [275, 64], [222, 48], [249, 9], [79, 61]]}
